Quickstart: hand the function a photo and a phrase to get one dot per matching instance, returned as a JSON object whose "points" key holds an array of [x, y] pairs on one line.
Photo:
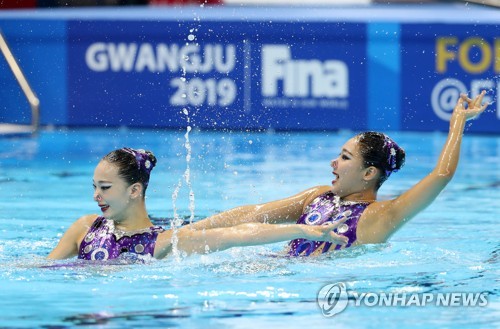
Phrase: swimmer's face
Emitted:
{"points": [[348, 170], [111, 192]]}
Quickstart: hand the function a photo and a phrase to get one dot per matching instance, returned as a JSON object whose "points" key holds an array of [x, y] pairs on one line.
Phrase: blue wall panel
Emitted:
{"points": [[384, 82]]}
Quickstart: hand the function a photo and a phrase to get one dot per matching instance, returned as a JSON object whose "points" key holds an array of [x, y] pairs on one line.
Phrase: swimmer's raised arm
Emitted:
{"points": [[281, 211], [70, 241], [387, 216], [250, 234]]}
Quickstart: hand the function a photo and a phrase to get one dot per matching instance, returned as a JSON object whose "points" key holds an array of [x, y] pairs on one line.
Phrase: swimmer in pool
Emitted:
{"points": [[364, 163], [124, 229]]}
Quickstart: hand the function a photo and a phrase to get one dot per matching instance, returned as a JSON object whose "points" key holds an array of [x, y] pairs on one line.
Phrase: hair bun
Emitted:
{"points": [[400, 158], [151, 158]]}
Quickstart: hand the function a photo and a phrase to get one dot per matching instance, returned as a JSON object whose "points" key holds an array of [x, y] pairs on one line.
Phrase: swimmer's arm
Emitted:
{"points": [[70, 241], [389, 216], [282, 211], [251, 234]]}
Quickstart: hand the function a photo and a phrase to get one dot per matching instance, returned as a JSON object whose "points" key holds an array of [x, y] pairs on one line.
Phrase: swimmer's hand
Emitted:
{"points": [[474, 106], [324, 233]]}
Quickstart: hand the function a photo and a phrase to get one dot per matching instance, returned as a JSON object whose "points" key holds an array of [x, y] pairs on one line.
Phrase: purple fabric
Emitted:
{"points": [[103, 241], [324, 209]]}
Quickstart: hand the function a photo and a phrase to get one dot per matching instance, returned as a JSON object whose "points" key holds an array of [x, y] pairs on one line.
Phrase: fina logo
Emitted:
{"points": [[302, 78], [332, 299]]}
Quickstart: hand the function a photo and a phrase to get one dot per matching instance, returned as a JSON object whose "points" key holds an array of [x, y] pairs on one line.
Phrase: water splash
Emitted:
{"points": [[186, 177], [177, 220]]}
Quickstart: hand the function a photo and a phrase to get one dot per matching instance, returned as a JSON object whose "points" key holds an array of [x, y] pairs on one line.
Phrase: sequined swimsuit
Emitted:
{"points": [[103, 241], [327, 208]]}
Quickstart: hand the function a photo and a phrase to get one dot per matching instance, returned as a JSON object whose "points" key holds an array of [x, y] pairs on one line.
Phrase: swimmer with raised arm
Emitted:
{"points": [[364, 163], [124, 228]]}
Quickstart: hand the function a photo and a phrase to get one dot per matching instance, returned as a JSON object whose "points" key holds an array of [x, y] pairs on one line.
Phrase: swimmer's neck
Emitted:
{"points": [[364, 196], [135, 220]]}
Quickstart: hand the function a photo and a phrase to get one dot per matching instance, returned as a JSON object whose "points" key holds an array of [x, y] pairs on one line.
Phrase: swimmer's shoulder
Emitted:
{"points": [[321, 189], [81, 226], [374, 223], [69, 243], [308, 196], [163, 245], [86, 220], [315, 192]]}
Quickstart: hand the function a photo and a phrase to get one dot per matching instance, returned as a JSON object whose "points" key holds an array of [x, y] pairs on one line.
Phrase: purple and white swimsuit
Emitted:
{"points": [[103, 241], [328, 208]]}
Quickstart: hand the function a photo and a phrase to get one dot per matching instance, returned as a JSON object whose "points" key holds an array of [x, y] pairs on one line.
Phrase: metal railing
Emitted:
{"points": [[34, 102]]}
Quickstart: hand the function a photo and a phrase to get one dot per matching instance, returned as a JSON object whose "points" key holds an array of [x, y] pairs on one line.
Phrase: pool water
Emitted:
{"points": [[46, 184]]}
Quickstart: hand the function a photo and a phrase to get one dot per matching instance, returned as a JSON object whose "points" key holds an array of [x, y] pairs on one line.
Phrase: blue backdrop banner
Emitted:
{"points": [[217, 74], [298, 68]]}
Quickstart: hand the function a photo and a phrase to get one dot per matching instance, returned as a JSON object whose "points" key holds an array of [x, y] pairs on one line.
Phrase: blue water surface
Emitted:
{"points": [[46, 184]]}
